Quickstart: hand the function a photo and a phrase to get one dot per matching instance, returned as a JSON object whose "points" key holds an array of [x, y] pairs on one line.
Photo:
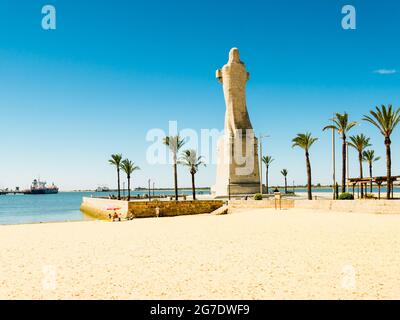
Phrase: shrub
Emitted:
{"points": [[346, 196], [258, 196]]}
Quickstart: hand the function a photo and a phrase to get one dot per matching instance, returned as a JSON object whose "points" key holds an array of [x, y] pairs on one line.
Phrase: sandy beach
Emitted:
{"points": [[253, 254]]}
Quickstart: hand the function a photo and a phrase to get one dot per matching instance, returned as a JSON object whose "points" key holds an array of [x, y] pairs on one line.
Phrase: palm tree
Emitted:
{"points": [[360, 143], [116, 161], [305, 141], [284, 172], [129, 167], [369, 157], [267, 161], [386, 120], [342, 125], [193, 162], [175, 143]]}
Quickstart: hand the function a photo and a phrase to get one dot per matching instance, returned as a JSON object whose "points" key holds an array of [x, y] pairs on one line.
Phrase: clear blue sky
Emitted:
{"points": [[115, 69]]}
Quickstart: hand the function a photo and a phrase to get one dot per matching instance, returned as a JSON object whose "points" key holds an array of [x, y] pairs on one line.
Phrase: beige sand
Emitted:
{"points": [[258, 254]]}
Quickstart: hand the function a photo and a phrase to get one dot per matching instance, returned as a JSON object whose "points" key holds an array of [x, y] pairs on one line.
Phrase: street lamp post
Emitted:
{"points": [[149, 191], [261, 162], [229, 189], [333, 164], [347, 164]]}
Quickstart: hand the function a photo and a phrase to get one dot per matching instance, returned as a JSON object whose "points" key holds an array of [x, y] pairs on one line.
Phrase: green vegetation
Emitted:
{"points": [[386, 120], [360, 143], [284, 172], [258, 196], [342, 125], [305, 141], [346, 196], [193, 162], [369, 157], [175, 143], [267, 160], [116, 160], [129, 167]]}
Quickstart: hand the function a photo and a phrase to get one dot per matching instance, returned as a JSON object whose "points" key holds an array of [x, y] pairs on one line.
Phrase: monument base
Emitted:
{"points": [[237, 189], [243, 188], [233, 178]]}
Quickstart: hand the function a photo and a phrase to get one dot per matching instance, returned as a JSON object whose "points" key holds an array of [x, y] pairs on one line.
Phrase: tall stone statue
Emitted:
{"points": [[237, 153]]}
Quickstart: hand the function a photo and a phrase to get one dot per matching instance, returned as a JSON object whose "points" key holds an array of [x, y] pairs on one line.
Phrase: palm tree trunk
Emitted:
{"points": [[344, 156], [285, 185], [370, 175], [119, 188], [266, 182], [129, 188], [388, 166], [176, 178], [361, 173], [193, 187], [309, 192]]}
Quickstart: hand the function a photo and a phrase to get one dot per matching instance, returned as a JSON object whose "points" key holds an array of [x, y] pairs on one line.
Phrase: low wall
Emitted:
{"points": [[361, 206], [97, 207], [146, 209], [252, 204]]}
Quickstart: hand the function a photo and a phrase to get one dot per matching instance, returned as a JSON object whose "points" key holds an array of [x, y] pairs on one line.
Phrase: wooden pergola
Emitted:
{"points": [[364, 182]]}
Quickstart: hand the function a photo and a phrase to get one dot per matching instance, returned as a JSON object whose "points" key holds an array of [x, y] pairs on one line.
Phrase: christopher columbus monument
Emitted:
{"points": [[237, 151]]}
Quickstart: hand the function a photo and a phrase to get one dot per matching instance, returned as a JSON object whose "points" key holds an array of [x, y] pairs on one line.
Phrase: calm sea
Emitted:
{"points": [[64, 206]]}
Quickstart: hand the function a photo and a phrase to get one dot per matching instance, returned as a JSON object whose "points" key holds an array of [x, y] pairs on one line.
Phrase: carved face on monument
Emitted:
{"points": [[234, 55]]}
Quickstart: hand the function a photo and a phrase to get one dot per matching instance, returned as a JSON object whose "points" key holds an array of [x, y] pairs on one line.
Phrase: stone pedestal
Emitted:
{"points": [[238, 166]]}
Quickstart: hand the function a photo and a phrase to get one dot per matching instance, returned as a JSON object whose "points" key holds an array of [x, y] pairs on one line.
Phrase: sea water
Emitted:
{"points": [[64, 206]]}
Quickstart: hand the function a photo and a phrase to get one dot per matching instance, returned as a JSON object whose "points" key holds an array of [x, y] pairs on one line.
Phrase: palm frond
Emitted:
{"points": [[267, 160], [304, 141], [190, 159], [128, 167], [174, 143], [359, 142], [116, 160], [369, 156], [341, 123], [385, 119]]}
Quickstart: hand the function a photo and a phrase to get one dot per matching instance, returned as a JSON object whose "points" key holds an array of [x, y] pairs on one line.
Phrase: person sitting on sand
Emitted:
{"points": [[116, 217]]}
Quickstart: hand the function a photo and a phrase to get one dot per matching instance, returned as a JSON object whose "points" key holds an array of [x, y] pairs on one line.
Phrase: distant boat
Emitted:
{"points": [[39, 187], [102, 189]]}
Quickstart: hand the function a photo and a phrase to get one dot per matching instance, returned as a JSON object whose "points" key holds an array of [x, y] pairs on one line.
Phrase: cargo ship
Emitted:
{"points": [[39, 187]]}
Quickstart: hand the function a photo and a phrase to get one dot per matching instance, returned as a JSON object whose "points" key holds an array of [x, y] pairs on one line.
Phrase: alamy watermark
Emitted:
{"points": [[349, 21], [49, 280], [49, 20], [215, 147], [348, 277]]}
